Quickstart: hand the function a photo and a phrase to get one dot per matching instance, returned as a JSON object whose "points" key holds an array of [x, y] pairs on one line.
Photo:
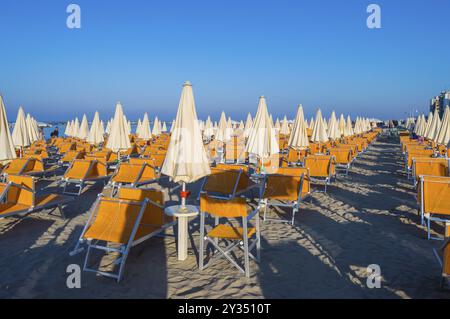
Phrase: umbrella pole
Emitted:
{"points": [[183, 198]]}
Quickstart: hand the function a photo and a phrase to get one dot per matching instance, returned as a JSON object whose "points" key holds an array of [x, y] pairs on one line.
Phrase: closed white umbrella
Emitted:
{"points": [[83, 131], [95, 135], [428, 125], [443, 137], [7, 151], [164, 127], [223, 133], [248, 125], [311, 124], [348, 127], [102, 128], [434, 125], [108, 127], [138, 127], [319, 134], [172, 126], [68, 128], [208, 132], [262, 141], [186, 160], [285, 126], [156, 127], [20, 135], [333, 128], [75, 127], [119, 139], [299, 136], [145, 133], [342, 125], [30, 127]]}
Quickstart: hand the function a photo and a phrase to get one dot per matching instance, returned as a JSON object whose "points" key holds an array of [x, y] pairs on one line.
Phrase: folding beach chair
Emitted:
{"points": [[16, 167], [82, 172], [221, 183], [343, 158], [35, 167], [71, 155], [226, 237], [125, 174], [429, 166], [321, 168], [18, 197], [433, 196], [115, 225], [288, 188], [411, 154]]}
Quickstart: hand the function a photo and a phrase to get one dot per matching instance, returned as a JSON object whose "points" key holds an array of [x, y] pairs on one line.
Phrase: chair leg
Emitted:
{"points": [[246, 252], [202, 240]]}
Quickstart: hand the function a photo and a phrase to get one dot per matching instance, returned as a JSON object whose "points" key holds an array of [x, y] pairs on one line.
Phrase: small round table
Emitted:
{"points": [[183, 219]]}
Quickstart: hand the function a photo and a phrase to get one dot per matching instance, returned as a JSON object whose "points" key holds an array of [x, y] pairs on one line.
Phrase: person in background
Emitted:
{"points": [[55, 133]]}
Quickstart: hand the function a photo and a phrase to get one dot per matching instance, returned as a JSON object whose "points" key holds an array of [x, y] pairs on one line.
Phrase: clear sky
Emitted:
{"points": [[319, 53]]}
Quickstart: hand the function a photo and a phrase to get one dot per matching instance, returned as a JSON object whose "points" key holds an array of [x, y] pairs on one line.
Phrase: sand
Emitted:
{"points": [[368, 217]]}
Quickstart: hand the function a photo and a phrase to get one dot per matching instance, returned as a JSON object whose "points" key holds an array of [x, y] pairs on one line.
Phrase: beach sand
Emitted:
{"points": [[368, 217]]}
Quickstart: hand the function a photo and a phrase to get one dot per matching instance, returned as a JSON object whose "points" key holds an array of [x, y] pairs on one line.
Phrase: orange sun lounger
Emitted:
{"points": [[321, 168], [18, 197], [433, 196], [118, 224], [288, 188], [81, 172]]}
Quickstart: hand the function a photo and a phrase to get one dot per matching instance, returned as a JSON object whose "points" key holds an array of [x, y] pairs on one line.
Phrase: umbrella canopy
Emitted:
{"points": [[31, 130], [118, 137], [208, 129], [248, 125], [434, 126], [83, 132], [68, 128], [311, 124], [419, 125], [277, 125], [428, 125], [443, 137], [164, 127], [156, 127], [285, 126], [342, 125], [108, 127], [299, 136], [75, 127], [319, 134], [95, 135], [223, 132], [348, 127], [333, 128], [186, 160], [262, 141], [144, 132], [20, 135], [7, 151], [172, 126]]}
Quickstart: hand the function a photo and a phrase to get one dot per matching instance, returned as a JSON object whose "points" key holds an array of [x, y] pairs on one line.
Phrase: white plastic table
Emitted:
{"points": [[183, 219]]}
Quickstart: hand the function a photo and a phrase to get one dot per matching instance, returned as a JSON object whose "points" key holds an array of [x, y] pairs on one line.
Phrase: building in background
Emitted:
{"points": [[440, 102]]}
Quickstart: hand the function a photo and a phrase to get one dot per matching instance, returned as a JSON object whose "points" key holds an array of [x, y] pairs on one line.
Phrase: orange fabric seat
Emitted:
{"points": [[230, 232]]}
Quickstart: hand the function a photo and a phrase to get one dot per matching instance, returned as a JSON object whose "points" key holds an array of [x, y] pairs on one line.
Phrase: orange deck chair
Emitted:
{"points": [[433, 196], [115, 225], [231, 230], [18, 197], [82, 172], [288, 188]]}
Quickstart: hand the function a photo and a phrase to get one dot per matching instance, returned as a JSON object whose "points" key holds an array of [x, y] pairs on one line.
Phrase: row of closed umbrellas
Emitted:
{"points": [[433, 128]]}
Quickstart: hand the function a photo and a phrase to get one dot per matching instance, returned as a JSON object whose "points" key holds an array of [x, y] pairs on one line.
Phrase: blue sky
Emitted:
{"points": [[319, 53]]}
